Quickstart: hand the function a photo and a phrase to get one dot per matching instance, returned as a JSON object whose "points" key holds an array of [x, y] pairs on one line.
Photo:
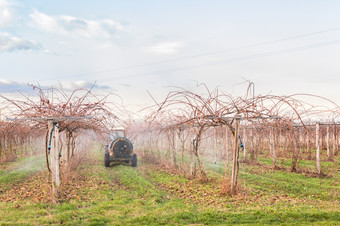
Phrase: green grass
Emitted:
{"points": [[145, 195], [287, 163], [260, 210], [278, 182], [291, 184]]}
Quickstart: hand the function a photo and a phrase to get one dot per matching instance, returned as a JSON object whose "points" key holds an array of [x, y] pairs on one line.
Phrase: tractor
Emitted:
{"points": [[120, 150]]}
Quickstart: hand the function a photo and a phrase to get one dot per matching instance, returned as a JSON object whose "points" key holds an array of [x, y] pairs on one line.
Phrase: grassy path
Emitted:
{"points": [[150, 195]]}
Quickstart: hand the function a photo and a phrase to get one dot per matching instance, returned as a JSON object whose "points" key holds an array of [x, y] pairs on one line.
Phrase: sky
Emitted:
{"points": [[133, 47]]}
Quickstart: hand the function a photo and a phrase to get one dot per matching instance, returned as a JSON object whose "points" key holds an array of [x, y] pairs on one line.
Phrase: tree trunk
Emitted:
{"points": [[204, 177]]}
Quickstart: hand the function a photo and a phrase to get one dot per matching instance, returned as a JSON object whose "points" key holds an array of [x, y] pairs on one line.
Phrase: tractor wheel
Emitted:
{"points": [[134, 160], [107, 160]]}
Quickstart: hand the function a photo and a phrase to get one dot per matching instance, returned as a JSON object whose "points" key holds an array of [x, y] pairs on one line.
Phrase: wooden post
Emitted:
{"points": [[317, 144], [263, 143], [226, 144], [174, 148], [68, 149], [234, 172], [257, 138], [251, 142], [214, 145], [150, 143], [55, 158], [270, 141], [334, 139], [300, 142], [273, 146], [168, 152], [309, 151], [51, 153], [192, 144], [244, 144], [327, 143], [183, 149], [295, 140], [160, 146], [57, 155], [279, 142]]}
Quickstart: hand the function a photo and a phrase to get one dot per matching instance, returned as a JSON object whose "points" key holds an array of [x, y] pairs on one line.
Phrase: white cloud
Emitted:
{"points": [[7, 86], [76, 27], [74, 85], [67, 85], [10, 43], [165, 47], [6, 14]]}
